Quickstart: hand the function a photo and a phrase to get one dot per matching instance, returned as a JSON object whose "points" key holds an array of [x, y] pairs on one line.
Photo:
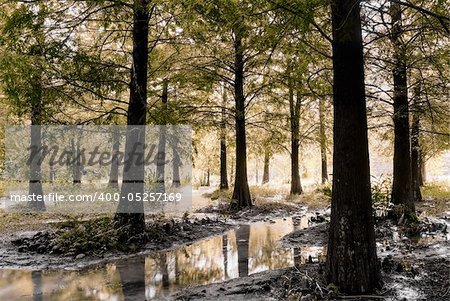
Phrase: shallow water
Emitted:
{"points": [[247, 250]]}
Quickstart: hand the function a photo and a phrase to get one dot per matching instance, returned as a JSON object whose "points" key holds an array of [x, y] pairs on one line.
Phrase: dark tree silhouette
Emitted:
{"points": [[351, 259]]}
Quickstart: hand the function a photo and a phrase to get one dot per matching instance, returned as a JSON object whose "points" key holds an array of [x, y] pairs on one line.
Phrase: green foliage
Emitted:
{"points": [[381, 191]]}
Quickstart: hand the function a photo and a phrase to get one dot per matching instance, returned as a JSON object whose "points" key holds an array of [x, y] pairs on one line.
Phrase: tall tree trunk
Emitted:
{"points": [[241, 193], [35, 181], [114, 169], [208, 177], [351, 257], [76, 159], [176, 181], [415, 150], [132, 213], [161, 161], [323, 141], [242, 241], [223, 146], [294, 108], [402, 193], [266, 171], [422, 174]]}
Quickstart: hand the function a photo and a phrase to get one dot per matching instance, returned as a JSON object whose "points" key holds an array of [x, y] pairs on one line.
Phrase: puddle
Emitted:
{"points": [[247, 250]]}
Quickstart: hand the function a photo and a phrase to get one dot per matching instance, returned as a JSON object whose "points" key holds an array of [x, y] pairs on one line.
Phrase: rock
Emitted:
{"points": [[80, 256]]}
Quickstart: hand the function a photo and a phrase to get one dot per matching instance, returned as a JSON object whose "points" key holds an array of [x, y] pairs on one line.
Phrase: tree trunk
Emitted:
{"points": [[132, 213], [223, 147], [208, 177], [76, 159], [266, 171], [323, 141], [294, 108], [114, 170], [241, 193], [35, 181], [176, 181], [422, 174], [402, 193], [415, 151], [351, 257], [161, 161]]}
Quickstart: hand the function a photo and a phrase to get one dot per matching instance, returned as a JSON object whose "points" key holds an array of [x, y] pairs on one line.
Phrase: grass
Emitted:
{"points": [[318, 198], [436, 199]]}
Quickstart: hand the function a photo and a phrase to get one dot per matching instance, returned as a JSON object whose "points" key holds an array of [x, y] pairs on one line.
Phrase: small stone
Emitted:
{"points": [[80, 256]]}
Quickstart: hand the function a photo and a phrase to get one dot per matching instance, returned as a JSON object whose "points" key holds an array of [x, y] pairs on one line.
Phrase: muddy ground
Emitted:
{"points": [[415, 264]]}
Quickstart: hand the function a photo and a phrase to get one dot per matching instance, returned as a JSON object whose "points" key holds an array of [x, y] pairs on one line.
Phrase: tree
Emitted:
{"points": [[132, 215], [402, 193], [351, 257]]}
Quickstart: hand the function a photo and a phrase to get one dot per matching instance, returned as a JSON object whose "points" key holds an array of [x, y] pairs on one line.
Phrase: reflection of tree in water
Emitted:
{"points": [[132, 276], [265, 252], [36, 278], [201, 263], [242, 241]]}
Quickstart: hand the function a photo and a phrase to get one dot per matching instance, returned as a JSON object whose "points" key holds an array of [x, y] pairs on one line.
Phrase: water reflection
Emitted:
{"points": [[238, 253]]}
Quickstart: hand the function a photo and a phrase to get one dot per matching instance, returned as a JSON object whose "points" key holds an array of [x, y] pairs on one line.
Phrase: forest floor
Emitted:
{"points": [[415, 263]]}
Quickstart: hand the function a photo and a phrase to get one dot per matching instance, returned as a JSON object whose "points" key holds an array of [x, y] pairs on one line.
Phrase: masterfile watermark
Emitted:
{"points": [[96, 168]]}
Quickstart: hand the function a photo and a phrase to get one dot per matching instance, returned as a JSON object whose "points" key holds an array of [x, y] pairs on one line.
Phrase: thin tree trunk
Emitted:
{"points": [[266, 171], [402, 193], [114, 169], [415, 150], [161, 162], [422, 174], [176, 181], [241, 193], [323, 141], [36, 153], [352, 263], [132, 213], [223, 146], [294, 108]]}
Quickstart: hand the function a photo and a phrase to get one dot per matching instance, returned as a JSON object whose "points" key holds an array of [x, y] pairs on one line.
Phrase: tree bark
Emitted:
{"points": [[402, 193], [266, 171], [176, 181], [294, 108], [161, 161], [415, 150], [114, 169], [241, 193], [323, 142], [223, 146], [35, 181], [351, 257], [132, 213]]}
